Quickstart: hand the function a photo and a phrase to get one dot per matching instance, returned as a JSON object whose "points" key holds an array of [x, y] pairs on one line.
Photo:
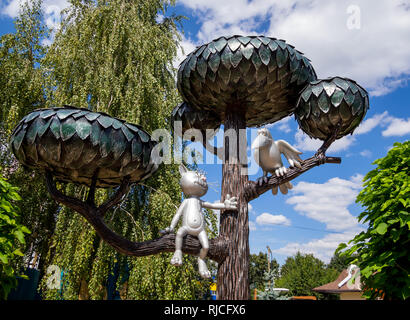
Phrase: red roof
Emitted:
{"points": [[332, 287]]}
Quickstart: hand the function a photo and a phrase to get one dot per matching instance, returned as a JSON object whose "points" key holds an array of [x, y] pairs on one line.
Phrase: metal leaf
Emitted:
{"points": [[261, 73], [224, 74], [119, 143], [43, 126], [264, 54], [353, 87], [214, 62], [334, 116], [329, 88], [282, 44], [79, 114], [32, 132], [244, 66], [345, 112], [31, 151], [303, 76], [211, 47], [337, 97], [306, 109], [105, 121], [306, 93], [201, 67], [256, 60], [247, 51], [192, 63], [206, 53], [236, 58], [256, 43], [136, 148], [68, 129], [317, 89], [357, 104], [281, 57], [116, 124], [31, 116], [294, 64], [127, 133], [144, 137], [47, 113], [234, 44], [341, 83], [273, 45], [349, 97], [105, 143], [323, 102], [95, 133], [64, 113], [226, 57], [55, 127], [199, 50], [220, 44], [18, 138], [91, 116], [264, 40], [244, 40], [83, 128], [314, 108]]}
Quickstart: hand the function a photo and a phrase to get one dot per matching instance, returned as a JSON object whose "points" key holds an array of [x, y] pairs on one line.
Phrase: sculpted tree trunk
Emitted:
{"points": [[233, 283]]}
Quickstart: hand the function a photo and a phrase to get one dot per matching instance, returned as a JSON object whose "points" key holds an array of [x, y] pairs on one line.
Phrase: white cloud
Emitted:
{"points": [[327, 202], [397, 127], [304, 143], [366, 153], [374, 54], [282, 125], [322, 249], [270, 219]]}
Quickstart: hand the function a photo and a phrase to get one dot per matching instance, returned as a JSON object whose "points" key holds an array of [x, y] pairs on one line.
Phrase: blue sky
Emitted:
{"points": [[366, 41]]}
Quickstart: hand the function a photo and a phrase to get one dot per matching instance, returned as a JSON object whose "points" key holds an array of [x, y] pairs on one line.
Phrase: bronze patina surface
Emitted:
{"points": [[75, 144], [260, 76], [325, 105]]}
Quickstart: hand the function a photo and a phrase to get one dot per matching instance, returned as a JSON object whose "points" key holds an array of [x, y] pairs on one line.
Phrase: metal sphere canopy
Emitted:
{"points": [[74, 144], [325, 105], [260, 76]]}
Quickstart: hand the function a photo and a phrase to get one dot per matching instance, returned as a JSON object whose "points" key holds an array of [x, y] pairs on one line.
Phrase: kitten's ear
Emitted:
{"points": [[182, 169]]}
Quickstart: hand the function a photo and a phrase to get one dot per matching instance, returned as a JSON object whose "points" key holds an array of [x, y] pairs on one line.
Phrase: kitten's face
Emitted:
{"points": [[193, 183]]}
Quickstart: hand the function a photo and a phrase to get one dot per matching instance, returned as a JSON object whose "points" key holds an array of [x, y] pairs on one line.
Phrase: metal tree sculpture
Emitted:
{"points": [[252, 81], [237, 82]]}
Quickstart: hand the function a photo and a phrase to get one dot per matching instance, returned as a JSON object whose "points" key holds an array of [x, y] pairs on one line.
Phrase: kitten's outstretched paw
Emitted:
{"points": [[177, 258], [203, 270]]}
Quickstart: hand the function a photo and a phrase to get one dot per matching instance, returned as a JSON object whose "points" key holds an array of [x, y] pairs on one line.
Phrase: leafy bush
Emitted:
{"points": [[11, 235], [383, 250]]}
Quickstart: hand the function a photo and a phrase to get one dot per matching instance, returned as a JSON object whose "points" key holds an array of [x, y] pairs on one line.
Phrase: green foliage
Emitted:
{"points": [[303, 272], [258, 267], [382, 251], [21, 80], [12, 235]]}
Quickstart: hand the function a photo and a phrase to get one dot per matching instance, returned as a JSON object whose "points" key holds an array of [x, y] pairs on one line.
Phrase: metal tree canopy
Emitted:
{"points": [[237, 82], [76, 145]]}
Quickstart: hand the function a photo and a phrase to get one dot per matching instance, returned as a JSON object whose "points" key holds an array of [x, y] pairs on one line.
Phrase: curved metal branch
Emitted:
{"points": [[191, 245]]}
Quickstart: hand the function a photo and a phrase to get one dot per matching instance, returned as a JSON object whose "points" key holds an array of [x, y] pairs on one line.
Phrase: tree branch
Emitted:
{"points": [[191, 245]]}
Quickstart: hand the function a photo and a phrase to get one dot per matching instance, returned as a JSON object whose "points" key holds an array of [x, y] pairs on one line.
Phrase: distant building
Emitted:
{"points": [[347, 285]]}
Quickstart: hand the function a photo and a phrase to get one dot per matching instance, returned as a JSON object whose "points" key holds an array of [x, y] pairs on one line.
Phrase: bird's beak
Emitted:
{"points": [[260, 142]]}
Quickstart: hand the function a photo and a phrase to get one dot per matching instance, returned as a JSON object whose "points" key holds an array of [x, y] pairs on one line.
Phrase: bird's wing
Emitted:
{"points": [[291, 154]]}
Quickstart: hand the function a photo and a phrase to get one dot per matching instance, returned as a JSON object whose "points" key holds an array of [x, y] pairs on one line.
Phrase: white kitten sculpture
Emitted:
{"points": [[194, 186]]}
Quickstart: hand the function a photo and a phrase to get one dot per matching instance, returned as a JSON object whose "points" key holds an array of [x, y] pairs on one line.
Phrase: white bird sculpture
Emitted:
{"points": [[267, 154]]}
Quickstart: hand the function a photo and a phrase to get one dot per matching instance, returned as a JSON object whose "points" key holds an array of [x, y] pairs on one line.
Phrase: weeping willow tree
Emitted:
{"points": [[114, 57], [21, 91]]}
